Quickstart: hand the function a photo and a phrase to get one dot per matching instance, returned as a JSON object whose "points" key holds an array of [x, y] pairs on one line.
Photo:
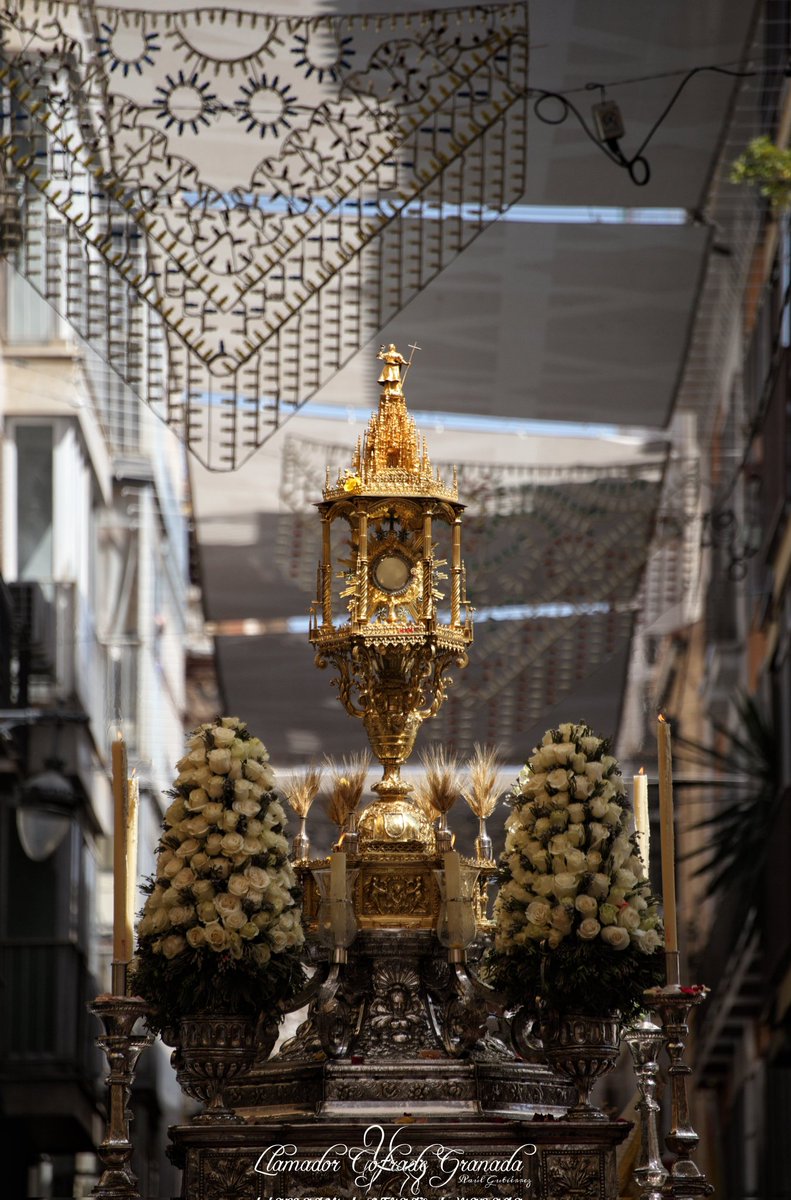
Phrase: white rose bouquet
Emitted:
{"points": [[221, 928], [576, 923]]}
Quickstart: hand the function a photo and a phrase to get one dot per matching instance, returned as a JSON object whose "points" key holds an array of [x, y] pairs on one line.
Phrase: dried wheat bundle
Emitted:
{"points": [[480, 788], [301, 790], [348, 781], [440, 788]]}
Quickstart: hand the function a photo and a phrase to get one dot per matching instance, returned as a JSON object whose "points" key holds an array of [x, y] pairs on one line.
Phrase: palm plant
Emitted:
{"points": [[748, 796]]}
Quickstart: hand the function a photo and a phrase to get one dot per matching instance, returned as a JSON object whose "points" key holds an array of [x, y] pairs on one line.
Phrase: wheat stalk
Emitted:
{"points": [[480, 788], [301, 790], [439, 790], [348, 781]]}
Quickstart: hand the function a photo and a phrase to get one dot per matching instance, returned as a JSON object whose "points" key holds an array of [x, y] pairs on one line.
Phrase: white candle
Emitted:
{"points": [[667, 837], [121, 949], [641, 822], [133, 802]]}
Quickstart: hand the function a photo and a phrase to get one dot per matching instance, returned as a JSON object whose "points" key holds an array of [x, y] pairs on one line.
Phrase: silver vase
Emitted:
{"points": [[213, 1051], [582, 1049]]}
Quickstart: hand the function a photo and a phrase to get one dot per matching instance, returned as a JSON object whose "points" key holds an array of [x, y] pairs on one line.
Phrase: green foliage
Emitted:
{"points": [[582, 977], [202, 982], [768, 168]]}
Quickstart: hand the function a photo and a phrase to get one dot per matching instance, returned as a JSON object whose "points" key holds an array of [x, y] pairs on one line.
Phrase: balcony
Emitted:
{"points": [[50, 1066]]}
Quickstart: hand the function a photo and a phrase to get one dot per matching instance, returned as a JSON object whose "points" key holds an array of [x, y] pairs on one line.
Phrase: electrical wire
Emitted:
{"points": [[637, 167]]}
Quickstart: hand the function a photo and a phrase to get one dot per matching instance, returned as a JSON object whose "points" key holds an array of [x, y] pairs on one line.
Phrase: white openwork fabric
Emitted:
{"points": [[228, 205]]}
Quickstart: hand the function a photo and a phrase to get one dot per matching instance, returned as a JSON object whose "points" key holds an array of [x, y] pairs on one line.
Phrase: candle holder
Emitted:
{"points": [[645, 1040], [301, 847], [444, 835], [673, 1003], [119, 1015]]}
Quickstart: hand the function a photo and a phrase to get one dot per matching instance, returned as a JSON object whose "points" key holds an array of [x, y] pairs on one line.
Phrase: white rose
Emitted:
{"points": [[629, 918], [279, 940], [594, 771], [220, 762], [188, 847], [262, 954], [620, 851], [223, 737], [216, 936], [594, 860], [577, 813], [599, 885], [615, 936], [539, 859], [267, 779], [559, 843], [559, 780], [576, 835], [598, 834], [624, 879], [232, 843], [174, 944], [197, 799], [598, 807], [649, 941], [538, 913], [590, 745], [576, 861], [216, 786], [182, 914], [258, 877], [566, 884], [247, 807], [582, 787], [196, 936], [207, 912], [613, 814], [227, 903], [170, 868], [587, 905], [235, 920], [238, 885], [554, 938], [196, 827], [160, 920], [542, 826], [544, 885], [567, 731], [175, 812], [589, 929]]}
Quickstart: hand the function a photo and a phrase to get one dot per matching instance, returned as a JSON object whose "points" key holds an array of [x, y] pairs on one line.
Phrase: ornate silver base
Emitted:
{"points": [[399, 1029], [535, 1159]]}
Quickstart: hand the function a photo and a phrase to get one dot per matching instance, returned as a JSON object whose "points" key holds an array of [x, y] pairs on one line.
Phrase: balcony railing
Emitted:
{"points": [[46, 1030]]}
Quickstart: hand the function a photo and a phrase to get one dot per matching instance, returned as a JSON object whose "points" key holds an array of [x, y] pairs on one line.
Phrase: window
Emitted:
{"points": [[34, 501]]}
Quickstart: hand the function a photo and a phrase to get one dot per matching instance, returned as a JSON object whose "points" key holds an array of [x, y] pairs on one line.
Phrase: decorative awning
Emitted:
{"points": [[227, 205]]}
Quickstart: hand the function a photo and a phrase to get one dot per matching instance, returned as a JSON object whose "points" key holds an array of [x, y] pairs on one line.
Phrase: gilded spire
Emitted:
{"points": [[393, 458]]}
